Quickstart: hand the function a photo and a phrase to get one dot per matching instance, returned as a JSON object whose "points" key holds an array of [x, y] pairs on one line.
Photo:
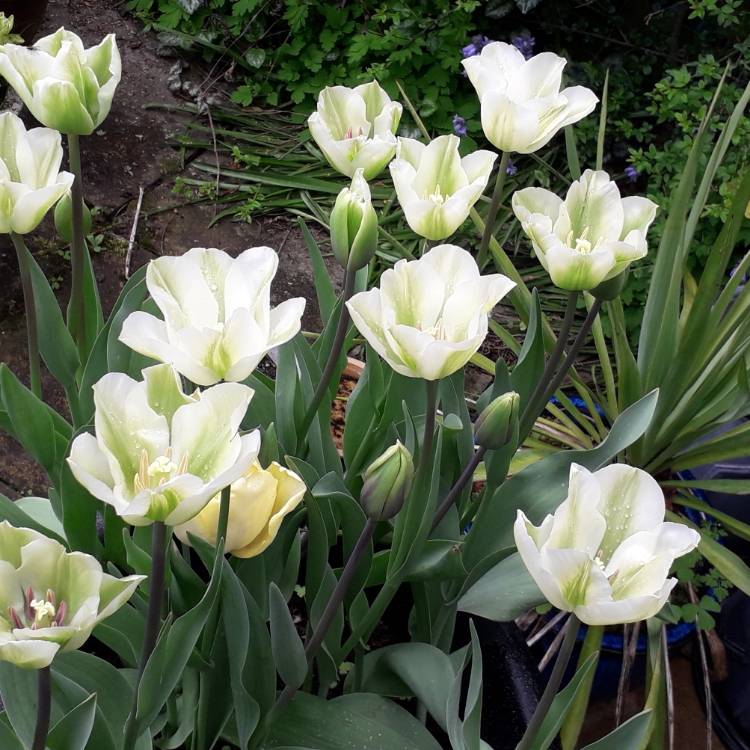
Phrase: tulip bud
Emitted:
{"points": [[497, 425], [64, 218], [388, 481], [354, 225]]}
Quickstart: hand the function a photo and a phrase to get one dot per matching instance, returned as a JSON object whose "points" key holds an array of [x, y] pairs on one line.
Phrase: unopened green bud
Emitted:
{"points": [[64, 218], [497, 425], [611, 288], [354, 225], [388, 480]]}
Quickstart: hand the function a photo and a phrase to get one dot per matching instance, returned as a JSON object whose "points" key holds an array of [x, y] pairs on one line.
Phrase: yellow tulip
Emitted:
{"points": [[258, 503]]}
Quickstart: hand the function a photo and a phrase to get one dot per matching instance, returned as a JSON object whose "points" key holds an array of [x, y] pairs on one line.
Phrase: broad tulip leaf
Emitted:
{"points": [[8, 739], [237, 632], [530, 364], [18, 689], [504, 592], [422, 670], [92, 308], [170, 657], [323, 286], [541, 487], [288, 651], [34, 426], [32, 513], [357, 720], [79, 513], [72, 732], [56, 345], [631, 734]]}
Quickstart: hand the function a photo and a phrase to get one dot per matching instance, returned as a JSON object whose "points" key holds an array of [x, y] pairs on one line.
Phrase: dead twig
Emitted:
{"points": [[133, 232]]}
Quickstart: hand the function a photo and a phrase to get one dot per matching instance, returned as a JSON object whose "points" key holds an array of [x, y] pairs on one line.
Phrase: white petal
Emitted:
{"points": [[91, 468], [639, 213], [33, 654], [572, 270], [631, 501], [634, 609]]}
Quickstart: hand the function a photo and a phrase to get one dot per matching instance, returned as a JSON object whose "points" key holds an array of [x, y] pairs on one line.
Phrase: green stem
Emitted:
{"points": [[497, 194], [313, 645], [43, 708], [558, 671], [533, 410], [455, 490], [23, 255], [78, 244], [553, 362], [159, 538], [333, 355], [212, 626]]}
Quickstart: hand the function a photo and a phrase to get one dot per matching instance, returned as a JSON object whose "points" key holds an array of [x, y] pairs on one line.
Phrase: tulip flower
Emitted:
{"points": [[435, 186], [65, 86], [51, 600], [354, 128], [591, 236], [606, 552], [218, 322], [521, 103], [258, 503], [429, 316], [497, 425], [160, 454], [30, 178], [354, 225]]}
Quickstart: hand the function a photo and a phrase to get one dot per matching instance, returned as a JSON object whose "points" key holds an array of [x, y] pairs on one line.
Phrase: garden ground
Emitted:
{"points": [[130, 152]]}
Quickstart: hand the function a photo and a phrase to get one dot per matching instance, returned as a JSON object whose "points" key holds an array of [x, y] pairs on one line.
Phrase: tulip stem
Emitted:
{"points": [[533, 410], [212, 626], [558, 672], [159, 538], [43, 708], [466, 476], [77, 245], [333, 355], [497, 193], [553, 362], [313, 645], [22, 253]]}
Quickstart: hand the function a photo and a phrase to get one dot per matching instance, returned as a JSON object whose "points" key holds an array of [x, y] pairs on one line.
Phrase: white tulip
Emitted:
{"points": [[218, 322], [435, 186], [50, 599], [522, 105], [30, 178], [355, 128], [606, 552], [159, 454], [591, 236], [65, 86], [429, 316]]}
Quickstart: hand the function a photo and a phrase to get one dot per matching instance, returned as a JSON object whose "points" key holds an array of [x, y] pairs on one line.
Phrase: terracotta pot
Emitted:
{"points": [[27, 14]]}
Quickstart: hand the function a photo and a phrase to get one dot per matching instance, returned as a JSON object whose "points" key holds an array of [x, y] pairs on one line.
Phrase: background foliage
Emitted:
{"points": [[664, 59]]}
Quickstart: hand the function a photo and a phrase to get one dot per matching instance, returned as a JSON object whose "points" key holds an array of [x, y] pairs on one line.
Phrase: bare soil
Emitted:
{"points": [[130, 151]]}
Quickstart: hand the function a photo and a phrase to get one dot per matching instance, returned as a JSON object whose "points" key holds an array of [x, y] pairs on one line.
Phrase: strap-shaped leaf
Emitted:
{"points": [[286, 645]]}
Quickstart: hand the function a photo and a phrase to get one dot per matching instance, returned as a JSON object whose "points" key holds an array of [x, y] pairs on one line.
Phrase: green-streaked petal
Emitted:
{"points": [[91, 468], [631, 501], [439, 168], [633, 609], [164, 390], [32, 206], [639, 213], [114, 592], [573, 270], [57, 104], [12, 132], [594, 206], [126, 425], [203, 430]]}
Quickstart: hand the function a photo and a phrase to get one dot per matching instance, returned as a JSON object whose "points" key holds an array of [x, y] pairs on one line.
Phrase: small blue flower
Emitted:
{"points": [[459, 125], [631, 173], [524, 43], [477, 44], [511, 169]]}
